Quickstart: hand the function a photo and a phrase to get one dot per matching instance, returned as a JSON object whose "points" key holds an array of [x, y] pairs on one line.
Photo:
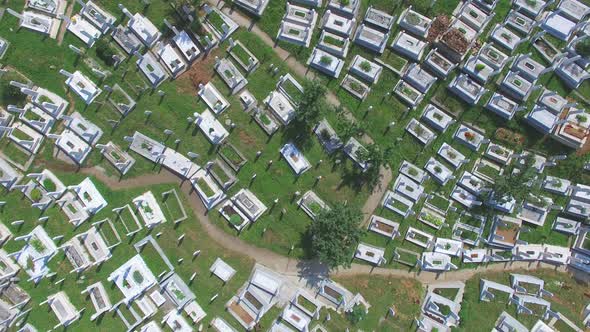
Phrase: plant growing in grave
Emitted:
{"points": [[432, 219], [437, 169], [36, 195], [451, 154], [365, 66], [412, 171], [37, 245], [469, 136], [418, 130], [325, 134], [335, 234], [479, 67], [326, 60], [580, 118]]}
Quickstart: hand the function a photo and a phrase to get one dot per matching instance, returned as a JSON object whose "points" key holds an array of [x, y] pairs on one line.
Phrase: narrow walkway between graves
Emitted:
{"points": [[306, 273]]}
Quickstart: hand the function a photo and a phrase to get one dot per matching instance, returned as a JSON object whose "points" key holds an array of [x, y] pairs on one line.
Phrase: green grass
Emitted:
{"points": [[477, 315], [305, 303], [449, 293], [241, 54], [216, 21], [382, 293], [205, 187]]}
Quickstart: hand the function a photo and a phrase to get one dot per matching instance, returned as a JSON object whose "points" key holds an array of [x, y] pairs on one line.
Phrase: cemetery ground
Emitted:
{"points": [[381, 108], [287, 236], [171, 112], [382, 291], [570, 299], [381, 116]]}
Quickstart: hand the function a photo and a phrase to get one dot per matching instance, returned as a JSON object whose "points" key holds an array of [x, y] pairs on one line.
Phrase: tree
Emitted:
{"points": [[375, 157], [583, 47], [514, 183], [311, 105], [356, 314], [105, 52], [335, 234]]}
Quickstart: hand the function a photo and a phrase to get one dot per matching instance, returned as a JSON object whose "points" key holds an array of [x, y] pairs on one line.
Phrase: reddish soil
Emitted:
{"points": [[238, 310], [199, 72], [456, 41], [438, 27], [246, 138], [509, 136]]}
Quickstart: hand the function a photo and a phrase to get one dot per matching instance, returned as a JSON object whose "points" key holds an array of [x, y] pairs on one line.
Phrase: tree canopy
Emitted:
{"points": [[335, 234], [514, 183], [583, 47], [375, 157], [312, 104]]}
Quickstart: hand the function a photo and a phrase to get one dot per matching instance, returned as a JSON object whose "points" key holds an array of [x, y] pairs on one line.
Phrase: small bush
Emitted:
{"points": [[365, 66]]}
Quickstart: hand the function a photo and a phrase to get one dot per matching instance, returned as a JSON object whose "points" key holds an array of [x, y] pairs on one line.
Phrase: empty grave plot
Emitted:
{"points": [[16, 155], [109, 233], [232, 157], [135, 81], [306, 304], [155, 262], [127, 218], [173, 208], [222, 175], [128, 315], [449, 293], [406, 257]]}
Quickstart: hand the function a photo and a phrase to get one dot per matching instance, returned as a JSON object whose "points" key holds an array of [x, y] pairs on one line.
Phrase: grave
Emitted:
{"points": [[371, 39], [325, 63], [414, 22], [151, 69], [409, 46]]}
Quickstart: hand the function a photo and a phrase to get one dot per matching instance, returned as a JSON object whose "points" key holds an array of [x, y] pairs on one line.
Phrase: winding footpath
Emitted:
{"points": [[306, 271]]}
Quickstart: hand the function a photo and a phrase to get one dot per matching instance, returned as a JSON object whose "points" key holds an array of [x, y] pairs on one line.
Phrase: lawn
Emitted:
{"points": [[404, 295], [476, 315], [195, 238]]}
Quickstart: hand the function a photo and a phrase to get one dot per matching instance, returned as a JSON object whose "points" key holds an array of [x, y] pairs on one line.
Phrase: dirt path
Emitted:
{"points": [[63, 27], [304, 272]]}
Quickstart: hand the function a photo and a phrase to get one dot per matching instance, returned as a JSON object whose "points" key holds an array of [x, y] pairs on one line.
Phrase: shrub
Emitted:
{"points": [[105, 52], [365, 66], [326, 60], [356, 314], [581, 118]]}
